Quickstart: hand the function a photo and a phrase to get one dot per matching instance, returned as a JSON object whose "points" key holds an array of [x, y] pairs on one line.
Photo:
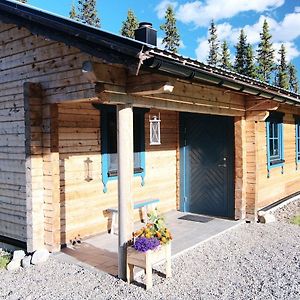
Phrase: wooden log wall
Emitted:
{"points": [[83, 203], [278, 185], [28, 58]]}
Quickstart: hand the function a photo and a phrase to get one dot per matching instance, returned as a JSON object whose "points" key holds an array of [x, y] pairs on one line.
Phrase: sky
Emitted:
{"points": [[194, 17]]}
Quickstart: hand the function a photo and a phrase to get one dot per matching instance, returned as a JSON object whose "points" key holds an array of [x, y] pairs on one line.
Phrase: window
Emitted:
{"points": [[109, 143], [275, 153], [297, 124]]}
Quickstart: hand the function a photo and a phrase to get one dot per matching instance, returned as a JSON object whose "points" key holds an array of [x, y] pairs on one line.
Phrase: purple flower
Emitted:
{"points": [[142, 244]]}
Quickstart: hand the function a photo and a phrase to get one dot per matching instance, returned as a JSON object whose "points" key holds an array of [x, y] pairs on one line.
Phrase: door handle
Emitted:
{"points": [[223, 165]]}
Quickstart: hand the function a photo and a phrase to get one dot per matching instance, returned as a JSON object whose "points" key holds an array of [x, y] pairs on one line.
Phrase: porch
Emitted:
{"points": [[188, 230]]}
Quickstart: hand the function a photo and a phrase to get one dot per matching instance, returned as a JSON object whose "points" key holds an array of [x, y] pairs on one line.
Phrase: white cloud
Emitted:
{"points": [[200, 13], [297, 9], [162, 7], [202, 50], [159, 43], [291, 50]]}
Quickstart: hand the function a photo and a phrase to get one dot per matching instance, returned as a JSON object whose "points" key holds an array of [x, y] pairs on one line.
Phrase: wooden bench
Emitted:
{"points": [[145, 205]]}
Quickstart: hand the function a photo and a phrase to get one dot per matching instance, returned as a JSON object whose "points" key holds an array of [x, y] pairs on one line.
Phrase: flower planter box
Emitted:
{"points": [[146, 260]]}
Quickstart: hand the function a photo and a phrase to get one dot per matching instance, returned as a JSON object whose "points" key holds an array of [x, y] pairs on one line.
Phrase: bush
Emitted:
{"points": [[5, 258], [296, 220]]}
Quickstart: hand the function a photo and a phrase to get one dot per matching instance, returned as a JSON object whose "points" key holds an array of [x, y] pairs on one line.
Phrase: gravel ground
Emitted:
{"points": [[287, 212], [252, 261]]}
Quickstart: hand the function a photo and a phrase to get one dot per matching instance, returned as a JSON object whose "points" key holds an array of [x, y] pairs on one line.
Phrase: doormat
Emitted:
{"points": [[196, 218]]}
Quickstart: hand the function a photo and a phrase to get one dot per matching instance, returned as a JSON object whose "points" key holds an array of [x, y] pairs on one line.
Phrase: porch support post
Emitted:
{"points": [[125, 182]]}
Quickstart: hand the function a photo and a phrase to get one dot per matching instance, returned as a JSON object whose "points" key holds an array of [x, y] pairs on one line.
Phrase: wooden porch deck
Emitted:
{"points": [[188, 230]]}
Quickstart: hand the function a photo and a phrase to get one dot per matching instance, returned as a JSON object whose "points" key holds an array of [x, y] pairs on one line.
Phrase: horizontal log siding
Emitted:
{"points": [[278, 185], [27, 58], [83, 204]]}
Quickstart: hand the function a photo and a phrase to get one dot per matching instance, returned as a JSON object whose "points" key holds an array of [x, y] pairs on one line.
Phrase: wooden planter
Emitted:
{"points": [[146, 260]]}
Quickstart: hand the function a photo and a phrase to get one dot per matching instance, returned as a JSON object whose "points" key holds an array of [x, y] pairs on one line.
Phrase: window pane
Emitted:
{"points": [[275, 130], [276, 148], [271, 129], [138, 123], [137, 160], [271, 146]]}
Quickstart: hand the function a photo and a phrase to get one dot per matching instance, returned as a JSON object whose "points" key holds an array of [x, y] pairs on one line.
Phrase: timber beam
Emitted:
{"points": [[145, 84], [260, 105], [114, 95]]}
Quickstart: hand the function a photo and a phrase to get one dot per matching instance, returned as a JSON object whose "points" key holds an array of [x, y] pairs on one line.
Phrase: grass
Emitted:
{"points": [[296, 220], [4, 260]]}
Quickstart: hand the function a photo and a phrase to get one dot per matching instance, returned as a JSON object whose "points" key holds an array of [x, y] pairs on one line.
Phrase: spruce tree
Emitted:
{"points": [[213, 55], [240, 64], [172, 37], [129, 25], [250, 65], [225, 57], [293, 80], [265, 55], [88, 12], [282, 78], [73, 14]]}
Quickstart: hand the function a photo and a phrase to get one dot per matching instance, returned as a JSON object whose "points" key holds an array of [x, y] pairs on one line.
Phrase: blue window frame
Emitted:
{"points": [[297, 139], [109, 143], [275, 149]]}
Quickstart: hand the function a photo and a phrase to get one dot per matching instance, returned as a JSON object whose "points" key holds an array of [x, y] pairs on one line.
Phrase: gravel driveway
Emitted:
{"points": [[252, 261]]}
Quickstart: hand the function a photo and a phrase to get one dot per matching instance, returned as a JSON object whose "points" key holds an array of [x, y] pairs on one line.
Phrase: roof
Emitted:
{"points": [[119, 49]]}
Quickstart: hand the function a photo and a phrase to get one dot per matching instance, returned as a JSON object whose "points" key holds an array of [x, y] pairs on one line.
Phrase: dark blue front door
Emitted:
{"points": [[206, 162]]}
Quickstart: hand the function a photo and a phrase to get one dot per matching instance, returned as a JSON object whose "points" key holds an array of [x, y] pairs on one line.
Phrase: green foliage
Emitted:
{"points": [[265, 55], [87, 12], [240, 64], [129, 25], [5, 258], [171, 41], [213, 55], [225, 62], [293, 80], [282, 76], [251, 69], [296, 220], [73, 13]]}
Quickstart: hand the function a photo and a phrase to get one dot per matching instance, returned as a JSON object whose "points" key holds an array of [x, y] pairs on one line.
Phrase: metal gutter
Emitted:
{"points": [[182, 69]]}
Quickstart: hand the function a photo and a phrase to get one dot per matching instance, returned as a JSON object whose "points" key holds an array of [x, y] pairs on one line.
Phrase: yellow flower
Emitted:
{"points": [[148, 235], [164, 240]]}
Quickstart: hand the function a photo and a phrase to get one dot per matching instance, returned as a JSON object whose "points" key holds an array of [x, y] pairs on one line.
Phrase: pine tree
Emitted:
{"points": [[293, 80], [213, 55], [240, 64], [265, 55], [129, 25], [73, 14], [225, 57], [251, 69], [172, 37], [282, 78], [88, 12]]}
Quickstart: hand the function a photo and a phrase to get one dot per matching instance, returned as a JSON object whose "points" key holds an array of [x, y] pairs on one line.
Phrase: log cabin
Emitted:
{"points": [[90, 120]]}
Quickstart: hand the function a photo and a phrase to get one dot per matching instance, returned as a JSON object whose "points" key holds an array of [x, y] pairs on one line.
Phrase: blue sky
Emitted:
{"points": [[194, 17]]}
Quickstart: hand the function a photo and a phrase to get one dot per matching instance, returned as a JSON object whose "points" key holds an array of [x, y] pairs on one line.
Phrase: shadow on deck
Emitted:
{"points": [[188, 231]]}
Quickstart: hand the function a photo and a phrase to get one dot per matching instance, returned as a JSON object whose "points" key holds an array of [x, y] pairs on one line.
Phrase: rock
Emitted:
{"points": [[18, 255], [39, 256], [25, 263], [14, 265], [267, 218]]}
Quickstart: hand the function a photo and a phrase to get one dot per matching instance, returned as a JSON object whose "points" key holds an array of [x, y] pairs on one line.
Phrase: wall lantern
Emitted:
{"points": [[88, 170], [154, 130]]}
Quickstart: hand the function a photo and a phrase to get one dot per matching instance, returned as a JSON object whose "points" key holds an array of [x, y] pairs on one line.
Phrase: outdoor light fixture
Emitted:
{"points": [[88, 170], [154, 130]]}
